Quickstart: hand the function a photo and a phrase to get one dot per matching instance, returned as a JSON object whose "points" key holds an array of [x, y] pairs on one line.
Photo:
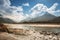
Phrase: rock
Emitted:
{"points": [[20, 31], [34, 35], [6, 36], [3, 28]]}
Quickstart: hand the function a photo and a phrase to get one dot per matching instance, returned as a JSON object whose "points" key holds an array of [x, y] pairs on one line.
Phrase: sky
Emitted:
{"points": [[48, 3], [18, 10]]}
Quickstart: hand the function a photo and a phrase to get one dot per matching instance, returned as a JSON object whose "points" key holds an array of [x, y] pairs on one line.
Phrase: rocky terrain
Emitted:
{"points": [[23, 34], [42, 35]]}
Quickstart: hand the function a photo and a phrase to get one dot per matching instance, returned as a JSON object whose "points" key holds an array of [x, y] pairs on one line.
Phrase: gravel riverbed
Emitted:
{"points": [[42, 35]]}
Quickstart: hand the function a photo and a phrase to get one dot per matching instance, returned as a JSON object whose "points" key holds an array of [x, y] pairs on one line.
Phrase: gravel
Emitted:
{"points": [[42, 35]]}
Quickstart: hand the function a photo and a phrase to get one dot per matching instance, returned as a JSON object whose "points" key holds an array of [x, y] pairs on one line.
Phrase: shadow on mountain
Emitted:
{"points": [[6, 20]]}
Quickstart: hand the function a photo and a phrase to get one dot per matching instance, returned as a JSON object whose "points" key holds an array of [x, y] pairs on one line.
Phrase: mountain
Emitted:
{"points": [[57, 20], [5, 20], [43, 18], [0, 15]]}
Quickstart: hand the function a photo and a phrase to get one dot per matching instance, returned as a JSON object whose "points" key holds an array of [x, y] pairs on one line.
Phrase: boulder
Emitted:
{"points": [[3, 28]]}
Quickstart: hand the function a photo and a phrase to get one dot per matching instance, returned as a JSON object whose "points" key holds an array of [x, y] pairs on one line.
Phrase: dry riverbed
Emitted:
{"points": [[42, 35], [30, 32]]}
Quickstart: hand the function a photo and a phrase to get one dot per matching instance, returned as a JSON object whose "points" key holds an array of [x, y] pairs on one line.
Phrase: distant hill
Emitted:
{"points": [[57, 19], [44, 18], [0, 15], [5, 20]]}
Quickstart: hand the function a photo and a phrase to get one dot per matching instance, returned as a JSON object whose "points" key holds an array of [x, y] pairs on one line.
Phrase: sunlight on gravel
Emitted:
{"points": [[43, 35], [17, 32]]}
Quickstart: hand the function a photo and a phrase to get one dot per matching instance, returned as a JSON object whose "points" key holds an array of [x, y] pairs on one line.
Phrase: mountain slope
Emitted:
{"points": [[43, 18], [5, 20], [57, 19]]}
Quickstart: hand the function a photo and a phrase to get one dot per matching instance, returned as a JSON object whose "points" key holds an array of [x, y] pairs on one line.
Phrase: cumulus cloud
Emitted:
{"points": [[26, 4], [40, 9], [52, 8], [11, 12], [5, 3]]}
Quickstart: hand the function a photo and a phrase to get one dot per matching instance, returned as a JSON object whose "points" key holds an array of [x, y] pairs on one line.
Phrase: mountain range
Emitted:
{"points": [[44, 18], [6, 20], [57, 19]]}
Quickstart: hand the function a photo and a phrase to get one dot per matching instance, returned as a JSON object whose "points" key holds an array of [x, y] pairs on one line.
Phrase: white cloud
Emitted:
{"points": [[40, 9], [16, 14], [16, 18], [11, 12], [53, 7], [5, 3], [26, 4], [57, 12]]}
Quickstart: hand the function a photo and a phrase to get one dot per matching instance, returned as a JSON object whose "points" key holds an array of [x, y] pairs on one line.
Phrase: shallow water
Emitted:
{"points": [[37, 27], [52, 29]]}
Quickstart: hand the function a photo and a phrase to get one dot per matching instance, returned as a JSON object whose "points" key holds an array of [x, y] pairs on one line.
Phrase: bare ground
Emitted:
{"points": [[34, 36]]}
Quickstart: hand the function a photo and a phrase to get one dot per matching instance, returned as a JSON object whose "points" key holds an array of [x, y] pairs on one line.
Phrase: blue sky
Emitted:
{"points": [[27, 9], [48, 3]]}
